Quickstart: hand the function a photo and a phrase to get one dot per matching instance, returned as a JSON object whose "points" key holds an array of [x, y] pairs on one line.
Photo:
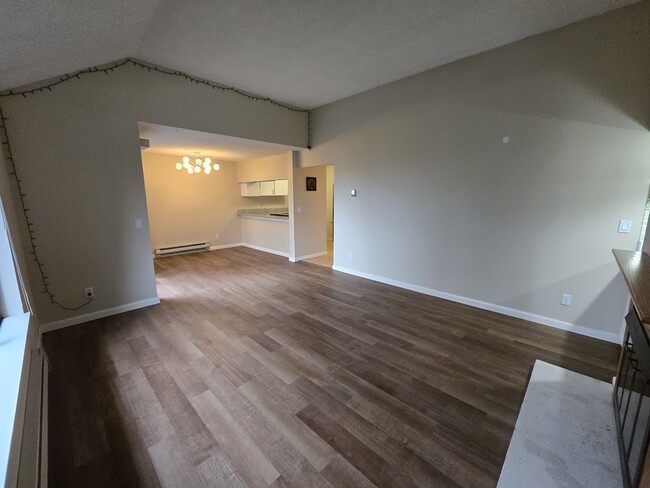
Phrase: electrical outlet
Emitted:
{"points": [[90, 292], [566, 299]]}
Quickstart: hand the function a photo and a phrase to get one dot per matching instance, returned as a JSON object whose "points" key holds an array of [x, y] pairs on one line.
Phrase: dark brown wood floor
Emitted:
{"points": [[257, 372]]}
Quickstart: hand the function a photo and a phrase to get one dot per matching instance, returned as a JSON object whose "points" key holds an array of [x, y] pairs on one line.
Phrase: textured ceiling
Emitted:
{"points": [[303, 52]]}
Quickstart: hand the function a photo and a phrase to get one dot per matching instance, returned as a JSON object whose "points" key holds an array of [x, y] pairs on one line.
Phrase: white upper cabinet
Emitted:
{"points": [[251, 189], [281, 187], [265, 188]]}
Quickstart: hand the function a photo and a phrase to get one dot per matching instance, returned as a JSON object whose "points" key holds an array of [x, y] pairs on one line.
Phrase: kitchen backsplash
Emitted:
{"points": [[262, 211]]}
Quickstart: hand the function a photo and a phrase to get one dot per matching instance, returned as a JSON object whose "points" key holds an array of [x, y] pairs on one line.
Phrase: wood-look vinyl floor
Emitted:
{"points": [[257, 372]]}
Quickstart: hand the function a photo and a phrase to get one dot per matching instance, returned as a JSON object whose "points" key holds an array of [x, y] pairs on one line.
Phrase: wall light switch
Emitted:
{"points": [[624, 226], [566, 299], [298, 209], [506, 140], [353, 193], [138, 223]]}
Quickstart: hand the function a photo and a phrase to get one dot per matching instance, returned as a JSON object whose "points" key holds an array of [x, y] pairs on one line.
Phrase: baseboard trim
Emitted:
{"points": [[265, 249], [511, 312], [308, 256], [80, 319], [225, 246]]}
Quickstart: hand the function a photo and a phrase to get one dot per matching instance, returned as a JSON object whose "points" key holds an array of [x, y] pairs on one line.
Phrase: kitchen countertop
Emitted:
{"points": [[264, 217], [264, 214]]}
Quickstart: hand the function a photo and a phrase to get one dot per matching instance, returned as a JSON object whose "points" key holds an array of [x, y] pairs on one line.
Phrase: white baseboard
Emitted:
{"points": [[511, 312], [265, 249], [226, 246], [80, 319], [308, 256]]}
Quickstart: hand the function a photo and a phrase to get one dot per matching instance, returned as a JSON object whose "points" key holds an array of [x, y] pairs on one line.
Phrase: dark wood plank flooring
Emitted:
{"points": [[257, 372]]}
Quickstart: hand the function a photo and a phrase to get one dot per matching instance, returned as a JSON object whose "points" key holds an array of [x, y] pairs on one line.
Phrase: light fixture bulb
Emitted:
{"points": [[186, 159], [197, 169], [179, 166], [216, 166], [207, 170], [206, 164], [186, 164], [190, 170], [197, 160], [208, 160]]}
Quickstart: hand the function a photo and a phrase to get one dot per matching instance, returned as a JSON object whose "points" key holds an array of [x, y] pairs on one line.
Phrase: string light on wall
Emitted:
{"points": [[199, 165], [107, 69]]}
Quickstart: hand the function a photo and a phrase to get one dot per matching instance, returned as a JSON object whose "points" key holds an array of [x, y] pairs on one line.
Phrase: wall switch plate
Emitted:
{"points": [[138, 223], [216, 236], [566, 299], [506, 140], [353, 193], [624, 226], [298, 209], [89, 292]]}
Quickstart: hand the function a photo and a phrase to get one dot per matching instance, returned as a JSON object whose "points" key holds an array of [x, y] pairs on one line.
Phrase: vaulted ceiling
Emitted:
{"points": [[304, 52]]}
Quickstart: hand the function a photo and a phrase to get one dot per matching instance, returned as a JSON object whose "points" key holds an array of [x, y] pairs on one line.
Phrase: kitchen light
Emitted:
{"points": [[198, 166]]}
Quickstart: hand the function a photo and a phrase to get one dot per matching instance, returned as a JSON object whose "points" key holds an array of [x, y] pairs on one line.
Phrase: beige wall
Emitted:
{"points": [[78, 154], [187, 208], [267, 235], [275, 167], [445, 205], [310, 222], [329, 200]]}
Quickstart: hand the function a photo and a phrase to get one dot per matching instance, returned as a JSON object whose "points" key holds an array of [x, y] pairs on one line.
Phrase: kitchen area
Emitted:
{"points": [[207, 192]]}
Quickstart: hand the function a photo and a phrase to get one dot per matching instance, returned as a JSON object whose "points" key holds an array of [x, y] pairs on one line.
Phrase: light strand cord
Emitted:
{"points": [[8, 154]]}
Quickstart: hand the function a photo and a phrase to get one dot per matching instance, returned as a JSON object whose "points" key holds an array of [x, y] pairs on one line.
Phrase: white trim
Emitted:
{"points": [[540, 319], [262, 217], [266, 249], [308, 256], [225, 246], [87, 317]]}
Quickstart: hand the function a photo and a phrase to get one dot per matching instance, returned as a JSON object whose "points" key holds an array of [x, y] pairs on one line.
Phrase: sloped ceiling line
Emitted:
{"points": [[47, 86], [107, 68]]}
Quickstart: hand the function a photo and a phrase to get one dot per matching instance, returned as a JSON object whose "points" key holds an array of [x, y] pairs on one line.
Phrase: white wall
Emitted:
{"points": [[10, 300], [445, 205], [77, 151], [13, 300]]}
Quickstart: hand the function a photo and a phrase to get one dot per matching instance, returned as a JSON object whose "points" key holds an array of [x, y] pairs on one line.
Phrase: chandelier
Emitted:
{"points": [[199, 165]]}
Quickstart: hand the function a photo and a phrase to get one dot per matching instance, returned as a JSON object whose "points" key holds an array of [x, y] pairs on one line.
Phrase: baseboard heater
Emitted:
{"points": [[185, 249]]}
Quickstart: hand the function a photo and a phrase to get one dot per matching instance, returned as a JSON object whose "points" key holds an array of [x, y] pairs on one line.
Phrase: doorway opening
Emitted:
{"points": [[207, 192], [327, 258]]}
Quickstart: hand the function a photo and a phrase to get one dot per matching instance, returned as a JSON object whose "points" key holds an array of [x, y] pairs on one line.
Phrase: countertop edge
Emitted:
{"points": [[264, 217]]}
